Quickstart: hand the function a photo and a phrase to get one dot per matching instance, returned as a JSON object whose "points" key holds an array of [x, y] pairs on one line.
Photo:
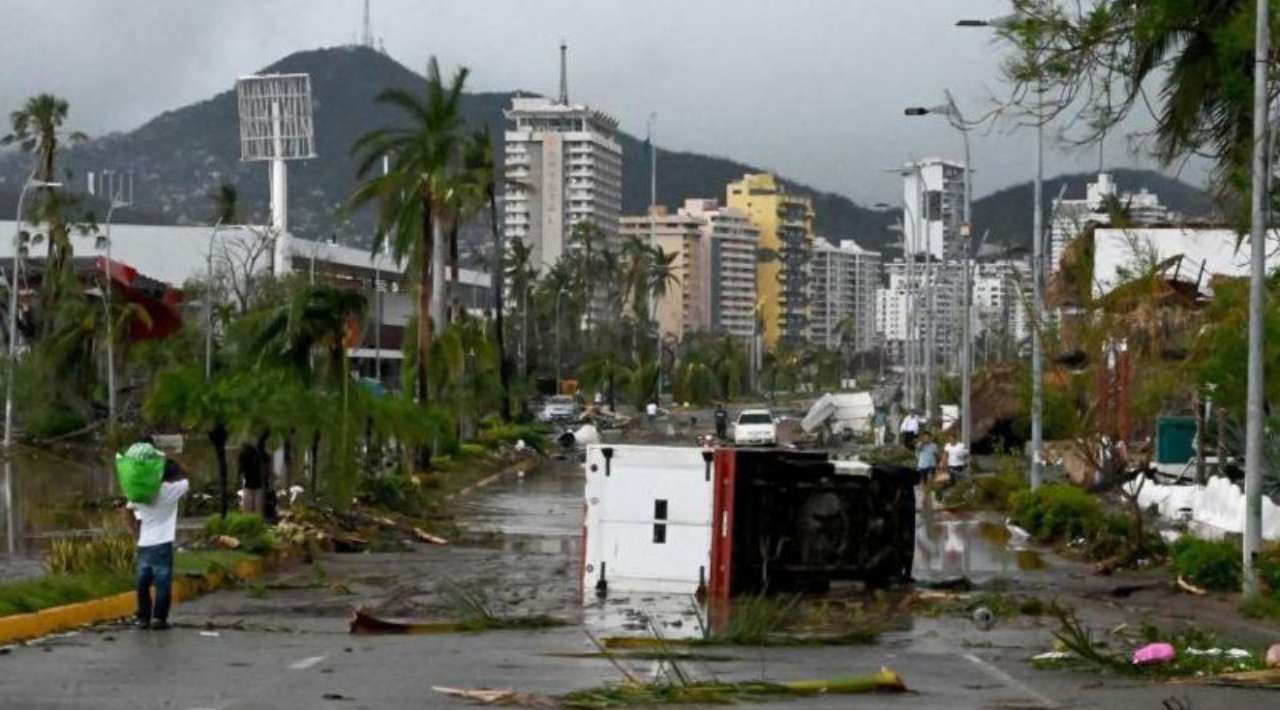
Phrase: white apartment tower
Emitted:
{"points": [[563, 166], [843, 281], [933, 207], [1070, 217]]}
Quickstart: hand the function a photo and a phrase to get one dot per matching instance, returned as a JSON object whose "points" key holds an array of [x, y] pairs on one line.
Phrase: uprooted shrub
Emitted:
{"points": [[249, 528], [1212, 564], [1057, 512]]}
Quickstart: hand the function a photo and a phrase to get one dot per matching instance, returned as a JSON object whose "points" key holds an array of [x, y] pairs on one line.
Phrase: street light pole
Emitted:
{"points": [[115, 200], [13, 315], [1037, 271]]}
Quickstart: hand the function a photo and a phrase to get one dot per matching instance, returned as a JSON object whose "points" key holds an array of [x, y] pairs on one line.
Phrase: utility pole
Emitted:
{"points": [[1255, 415]]}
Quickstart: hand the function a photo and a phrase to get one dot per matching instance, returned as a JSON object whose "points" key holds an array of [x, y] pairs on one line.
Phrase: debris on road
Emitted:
{"points": [[364, 623], [496, 697], [684, 690], [1154, 653], [1273, 656], [1190, 588], [428, 538]]}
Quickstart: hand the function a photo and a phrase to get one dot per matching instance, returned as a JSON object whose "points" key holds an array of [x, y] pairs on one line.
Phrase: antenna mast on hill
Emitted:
{"points": [[366, 37]]}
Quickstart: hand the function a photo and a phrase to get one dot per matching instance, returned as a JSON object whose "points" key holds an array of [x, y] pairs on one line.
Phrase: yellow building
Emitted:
{"points": [[786, 243]]}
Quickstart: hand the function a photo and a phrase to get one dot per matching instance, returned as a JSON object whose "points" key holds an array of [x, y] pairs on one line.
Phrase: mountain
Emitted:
{"points": [[1008, 214], [181, 156]]}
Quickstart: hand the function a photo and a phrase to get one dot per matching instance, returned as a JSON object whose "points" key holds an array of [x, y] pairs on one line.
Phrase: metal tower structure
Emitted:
{"points": [[564, 74]]}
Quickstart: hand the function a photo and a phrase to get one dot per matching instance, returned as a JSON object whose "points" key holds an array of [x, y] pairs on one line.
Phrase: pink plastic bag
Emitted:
{"points": [[1154, 653]]}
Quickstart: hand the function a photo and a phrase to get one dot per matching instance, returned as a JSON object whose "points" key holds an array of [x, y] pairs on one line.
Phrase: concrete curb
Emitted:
{"points": [[23, 627], [528, 464]]}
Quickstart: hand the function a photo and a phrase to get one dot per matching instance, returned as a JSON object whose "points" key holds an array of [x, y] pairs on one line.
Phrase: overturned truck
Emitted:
{"points": [[729, 521]]}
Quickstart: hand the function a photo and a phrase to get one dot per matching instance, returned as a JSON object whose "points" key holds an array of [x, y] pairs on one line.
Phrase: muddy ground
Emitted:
{"points": [[283, 643]]}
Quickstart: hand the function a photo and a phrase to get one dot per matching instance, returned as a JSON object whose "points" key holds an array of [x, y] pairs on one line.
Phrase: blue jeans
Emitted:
{"points": [[155, 566]]}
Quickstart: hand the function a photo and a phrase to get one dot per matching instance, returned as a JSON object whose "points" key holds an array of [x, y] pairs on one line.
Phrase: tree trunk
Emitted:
{"points": [[425, 309], [218, 437], [439, 252], [453, 287], [504, 371], [315, 465]]}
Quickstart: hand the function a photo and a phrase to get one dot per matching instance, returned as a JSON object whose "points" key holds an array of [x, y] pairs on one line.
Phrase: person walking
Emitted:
{"points": [[722, 422], [249, 461], [956, 458], [879, 422], [155, 526], [926, 459]]}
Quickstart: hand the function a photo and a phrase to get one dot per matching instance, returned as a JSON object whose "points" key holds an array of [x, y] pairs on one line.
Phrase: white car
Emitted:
{"points": [[755, 427], [559, 408]]}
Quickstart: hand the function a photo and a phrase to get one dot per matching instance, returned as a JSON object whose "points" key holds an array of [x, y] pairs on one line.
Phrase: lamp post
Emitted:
{"points": [[115, 201], [1035, 473], [953, 116], [13, 311]]}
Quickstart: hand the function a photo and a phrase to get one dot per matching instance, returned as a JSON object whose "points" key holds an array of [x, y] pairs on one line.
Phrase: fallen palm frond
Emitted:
{"points": [[365, 624], [631, 694], [1268, 678], [1197, 654]]}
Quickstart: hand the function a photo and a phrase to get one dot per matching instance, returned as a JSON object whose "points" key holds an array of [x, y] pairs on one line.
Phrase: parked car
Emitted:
{"points": [[755, 427], [559, 408]]}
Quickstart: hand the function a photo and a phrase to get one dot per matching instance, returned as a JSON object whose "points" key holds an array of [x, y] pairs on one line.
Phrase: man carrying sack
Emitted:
{"points": [[154, 522]]}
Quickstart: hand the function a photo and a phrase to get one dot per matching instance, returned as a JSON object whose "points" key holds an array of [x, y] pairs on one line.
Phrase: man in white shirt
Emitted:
{"points": [[957, 455], [156, 525], [909, 430]]}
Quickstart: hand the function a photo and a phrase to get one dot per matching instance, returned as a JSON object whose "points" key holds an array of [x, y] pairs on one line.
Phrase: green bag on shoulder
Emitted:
{"points": [[140, 471]]}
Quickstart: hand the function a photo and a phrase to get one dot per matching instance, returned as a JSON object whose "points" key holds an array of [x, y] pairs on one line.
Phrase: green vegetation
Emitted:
{"points": [[763, 620], [1057, 512], [994, 491], [249, 528], [32, 595], [112, 554], [1211, 564], [1087, 651]]}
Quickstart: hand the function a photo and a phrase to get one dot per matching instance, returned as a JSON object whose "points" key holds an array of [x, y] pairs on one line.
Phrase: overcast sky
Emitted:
{"points": [[811, 88]]}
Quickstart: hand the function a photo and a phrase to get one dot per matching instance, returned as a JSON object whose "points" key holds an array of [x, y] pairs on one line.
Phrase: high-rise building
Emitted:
{"points": [[1069, 217], [714, 264], [933, 195], [935, 310], [785, 222], [563, 166], [682, 309], [843, 281], [729, 242]]}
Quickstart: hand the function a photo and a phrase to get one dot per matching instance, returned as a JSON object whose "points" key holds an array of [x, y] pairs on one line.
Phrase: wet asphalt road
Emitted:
{"points": [[286, 645]]}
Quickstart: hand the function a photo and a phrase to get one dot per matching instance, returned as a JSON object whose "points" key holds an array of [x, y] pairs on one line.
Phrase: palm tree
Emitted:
{"points": [[481, 177], [314, 317], [35, 129], [583, 238], [522, 276], [414, 194]]}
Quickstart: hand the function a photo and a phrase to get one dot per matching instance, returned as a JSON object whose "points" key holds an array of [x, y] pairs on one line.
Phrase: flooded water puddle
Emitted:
{"points": [[978, 547]]}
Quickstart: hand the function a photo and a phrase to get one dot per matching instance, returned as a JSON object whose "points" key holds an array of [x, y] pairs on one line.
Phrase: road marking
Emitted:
{"points": [[306, 663], [1010, 681]]}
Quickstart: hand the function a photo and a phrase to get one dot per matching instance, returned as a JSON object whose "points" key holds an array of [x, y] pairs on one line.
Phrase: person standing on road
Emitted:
{"points": [[879, 422], [910, 429], [722, 422], [249, 461], [155, 525]]}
